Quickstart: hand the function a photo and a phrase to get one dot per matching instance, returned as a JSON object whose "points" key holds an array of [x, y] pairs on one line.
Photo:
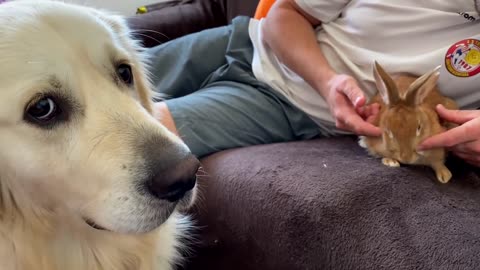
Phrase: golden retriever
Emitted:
{"points": [[89, 179]]}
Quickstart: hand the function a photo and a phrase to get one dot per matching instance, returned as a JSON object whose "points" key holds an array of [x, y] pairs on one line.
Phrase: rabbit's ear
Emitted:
{"points": [[421, 87], [385, 85]]}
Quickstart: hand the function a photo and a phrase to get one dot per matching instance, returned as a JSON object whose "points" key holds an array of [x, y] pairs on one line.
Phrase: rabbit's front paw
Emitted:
{"points": [[443, 173], [390, 162]]}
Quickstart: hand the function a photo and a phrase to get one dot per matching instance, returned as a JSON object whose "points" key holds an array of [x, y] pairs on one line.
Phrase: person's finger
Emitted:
{"points": [[353, 122], [354, 94], [371, 119], [457, 116], [474, 163], [348, 119], [461, 134], [371, 110], [470, 159], [471, 148], [375, 108], [469, 152], [461, 155], [340, 125], [467, 158], [368, 111], [363, 111], [361, 127], [459, 149]]}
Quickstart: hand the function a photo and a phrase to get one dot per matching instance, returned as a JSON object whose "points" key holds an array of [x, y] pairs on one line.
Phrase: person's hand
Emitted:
{"points": [[347, 104], [464, 140]]}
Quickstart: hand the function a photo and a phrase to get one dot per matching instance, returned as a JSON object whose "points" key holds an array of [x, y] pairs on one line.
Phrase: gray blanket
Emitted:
{"points": [[325, 204]]}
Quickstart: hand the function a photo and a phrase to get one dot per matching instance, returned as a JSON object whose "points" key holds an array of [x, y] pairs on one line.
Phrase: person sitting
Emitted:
{"points": [[305, 70]]}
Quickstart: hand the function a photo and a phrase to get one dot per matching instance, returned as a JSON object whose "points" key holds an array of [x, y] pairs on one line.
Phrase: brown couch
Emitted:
{"points": [[324, 203]]}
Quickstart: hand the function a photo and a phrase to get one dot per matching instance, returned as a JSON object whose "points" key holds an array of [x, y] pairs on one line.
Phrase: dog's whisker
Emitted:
{"points": [[88, 204], [181, 127], [100, 137], [202, 173], [202, 169], [152, 31], [152, 38]]}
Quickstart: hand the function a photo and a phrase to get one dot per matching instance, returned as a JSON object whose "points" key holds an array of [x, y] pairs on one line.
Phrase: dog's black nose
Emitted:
{"points": [[172, 183]]}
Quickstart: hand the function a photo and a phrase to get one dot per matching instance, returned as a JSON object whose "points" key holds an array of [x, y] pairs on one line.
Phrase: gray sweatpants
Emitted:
{"points": [[214, 98]]}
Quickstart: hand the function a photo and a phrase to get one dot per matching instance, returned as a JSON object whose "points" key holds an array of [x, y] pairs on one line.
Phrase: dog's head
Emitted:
{"points": [[76, 124]]}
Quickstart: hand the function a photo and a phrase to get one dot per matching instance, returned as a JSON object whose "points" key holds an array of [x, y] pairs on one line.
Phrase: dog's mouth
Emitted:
{"points": [[93, 225]]}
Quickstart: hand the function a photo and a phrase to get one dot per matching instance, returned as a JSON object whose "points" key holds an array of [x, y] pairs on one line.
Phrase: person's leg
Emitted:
{"points": [[217, 102], [181, 66], [227, 115], [163, 115]]}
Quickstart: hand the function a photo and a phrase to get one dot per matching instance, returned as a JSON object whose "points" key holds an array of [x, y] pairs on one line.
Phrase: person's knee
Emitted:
{"points": [[163, 115]]}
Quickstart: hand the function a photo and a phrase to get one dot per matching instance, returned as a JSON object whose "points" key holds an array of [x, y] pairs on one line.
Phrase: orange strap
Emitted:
{"points": [[263, 8]]}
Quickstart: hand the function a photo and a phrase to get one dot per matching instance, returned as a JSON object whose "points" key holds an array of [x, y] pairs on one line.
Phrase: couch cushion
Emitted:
{"points": [[176, 20], [183, 17], [325, 204]]}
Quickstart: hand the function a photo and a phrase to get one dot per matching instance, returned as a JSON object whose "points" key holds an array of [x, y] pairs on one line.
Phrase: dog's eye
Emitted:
{"points": [[124, 71], [43, 110]]}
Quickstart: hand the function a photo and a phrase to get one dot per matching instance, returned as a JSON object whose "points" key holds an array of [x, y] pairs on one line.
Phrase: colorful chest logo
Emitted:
{"points": [[463, 58]]}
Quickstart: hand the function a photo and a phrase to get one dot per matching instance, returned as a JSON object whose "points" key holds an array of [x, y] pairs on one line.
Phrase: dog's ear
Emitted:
{"points": [[117, 22]]}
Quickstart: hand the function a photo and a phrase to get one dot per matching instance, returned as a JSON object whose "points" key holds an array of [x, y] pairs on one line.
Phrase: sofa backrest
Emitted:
{"points": [[235, 8]]}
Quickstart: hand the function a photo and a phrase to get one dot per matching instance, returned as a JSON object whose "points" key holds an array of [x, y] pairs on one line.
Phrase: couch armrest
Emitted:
{"points": [[173, 21]]}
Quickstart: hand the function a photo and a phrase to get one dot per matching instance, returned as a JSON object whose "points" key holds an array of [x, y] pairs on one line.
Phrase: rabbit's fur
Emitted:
{"points": [[407, 117]]}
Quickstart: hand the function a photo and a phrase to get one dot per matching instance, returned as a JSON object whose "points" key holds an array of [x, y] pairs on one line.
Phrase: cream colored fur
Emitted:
{"points": [[90, 165]]}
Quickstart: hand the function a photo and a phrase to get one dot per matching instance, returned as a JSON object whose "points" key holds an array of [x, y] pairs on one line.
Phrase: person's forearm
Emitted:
{"points": [[292, 38]]}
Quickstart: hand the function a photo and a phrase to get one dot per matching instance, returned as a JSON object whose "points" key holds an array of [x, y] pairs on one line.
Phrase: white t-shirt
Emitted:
{"points": [[402, 35]]}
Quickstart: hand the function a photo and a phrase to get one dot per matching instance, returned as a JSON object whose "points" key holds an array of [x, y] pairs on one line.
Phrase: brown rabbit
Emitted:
{"points": [[407, 117]]}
